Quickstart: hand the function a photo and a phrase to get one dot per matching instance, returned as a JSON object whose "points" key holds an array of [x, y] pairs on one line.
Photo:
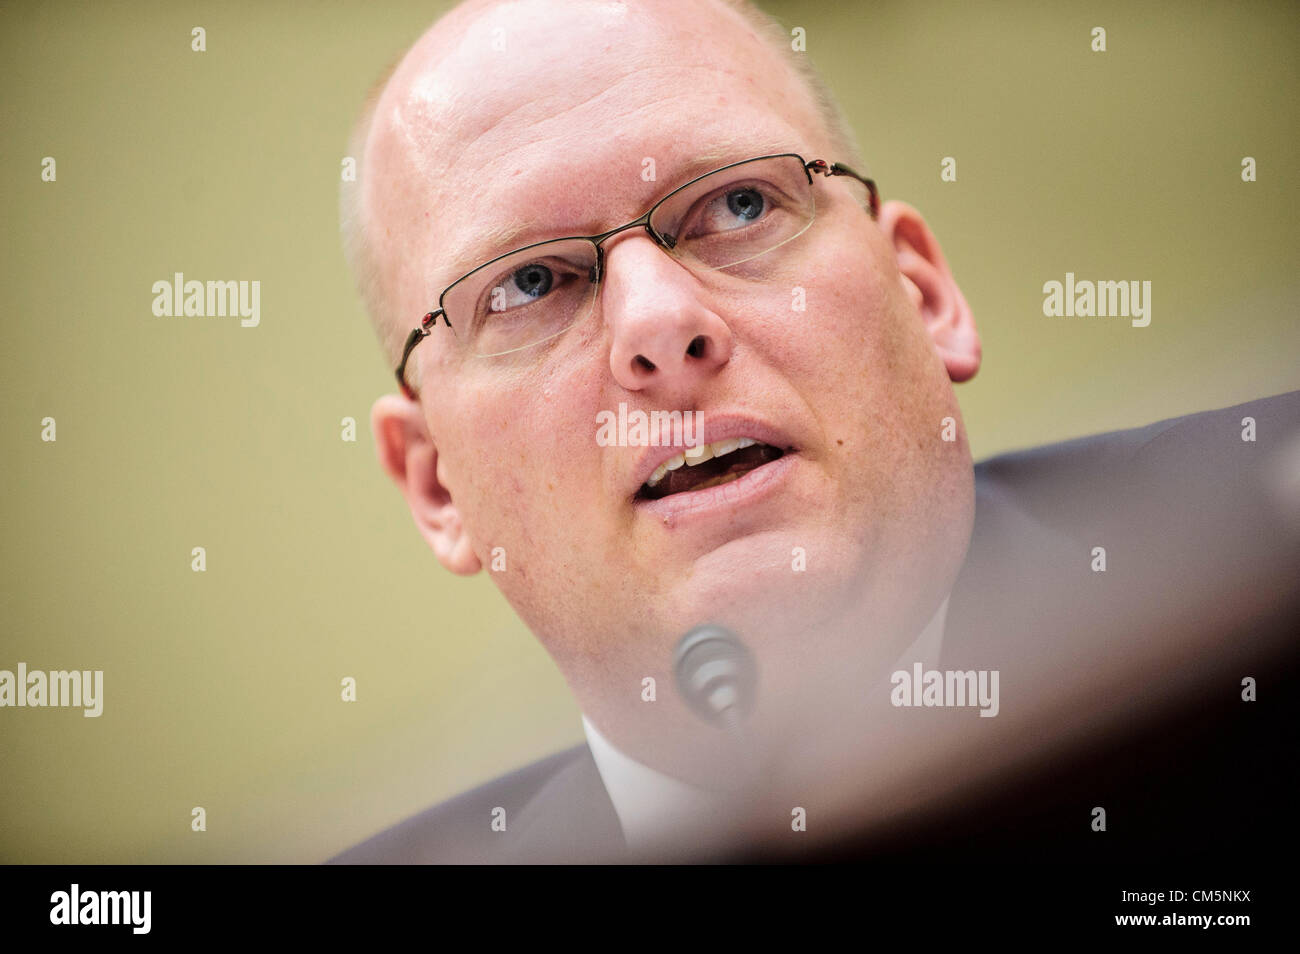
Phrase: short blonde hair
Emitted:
{"points": [[360, 252]]}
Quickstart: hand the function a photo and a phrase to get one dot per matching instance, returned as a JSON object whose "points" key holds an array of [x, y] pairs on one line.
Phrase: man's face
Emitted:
{"points": [[533, 120]]}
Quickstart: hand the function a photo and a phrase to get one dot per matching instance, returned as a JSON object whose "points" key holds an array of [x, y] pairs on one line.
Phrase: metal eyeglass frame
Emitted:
{"points": [[427, 323]]}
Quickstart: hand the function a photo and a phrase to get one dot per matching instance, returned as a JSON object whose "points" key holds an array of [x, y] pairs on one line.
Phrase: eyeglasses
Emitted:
{"points": [[721, 219]]}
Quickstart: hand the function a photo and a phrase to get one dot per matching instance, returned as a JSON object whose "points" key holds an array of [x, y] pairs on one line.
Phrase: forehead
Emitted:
{"points": [[524, 120]]}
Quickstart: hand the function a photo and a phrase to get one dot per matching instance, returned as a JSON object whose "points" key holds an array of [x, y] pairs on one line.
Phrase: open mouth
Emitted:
{"points": [[708, 465]]}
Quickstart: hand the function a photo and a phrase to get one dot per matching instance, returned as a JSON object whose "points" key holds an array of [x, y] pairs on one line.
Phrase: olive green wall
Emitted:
{"points": [[222, 688]]}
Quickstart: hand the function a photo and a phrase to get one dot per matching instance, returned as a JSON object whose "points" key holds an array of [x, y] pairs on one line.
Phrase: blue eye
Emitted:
{"points": [[745, 203], [533, 280], [736, 209]]}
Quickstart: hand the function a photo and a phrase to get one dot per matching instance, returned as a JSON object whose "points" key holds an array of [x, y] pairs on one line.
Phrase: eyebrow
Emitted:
{"points": [[494, 240]]}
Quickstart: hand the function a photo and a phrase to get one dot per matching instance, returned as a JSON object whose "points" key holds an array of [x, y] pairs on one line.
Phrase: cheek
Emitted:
{"points": [[519, 460], [859, 328], [487, 476], [879, 385]]}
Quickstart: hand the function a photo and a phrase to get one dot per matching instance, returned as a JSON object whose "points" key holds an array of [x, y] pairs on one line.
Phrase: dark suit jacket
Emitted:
{"points": [[1182, 506]]}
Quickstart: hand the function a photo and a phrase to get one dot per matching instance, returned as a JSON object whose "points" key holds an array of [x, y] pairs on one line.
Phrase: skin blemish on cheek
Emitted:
{"points": [[839, 441]]}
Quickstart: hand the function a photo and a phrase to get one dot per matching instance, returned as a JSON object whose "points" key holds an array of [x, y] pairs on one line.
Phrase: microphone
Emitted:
{"points": [[716, 675]]}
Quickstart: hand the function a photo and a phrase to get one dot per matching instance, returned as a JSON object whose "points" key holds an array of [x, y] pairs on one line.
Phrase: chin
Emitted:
{"points": [[772, 587]]}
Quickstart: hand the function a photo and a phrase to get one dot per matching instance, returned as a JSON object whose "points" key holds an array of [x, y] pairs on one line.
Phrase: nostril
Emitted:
{"points": [[697, 347], [645, 362]]}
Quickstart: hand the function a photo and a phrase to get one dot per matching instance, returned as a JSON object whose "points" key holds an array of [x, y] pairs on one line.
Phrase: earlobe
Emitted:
{"points": [[932, 289], [408, 455]]}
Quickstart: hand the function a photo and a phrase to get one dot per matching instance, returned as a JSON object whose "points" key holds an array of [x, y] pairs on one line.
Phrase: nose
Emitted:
{"points": [[664, 337]]}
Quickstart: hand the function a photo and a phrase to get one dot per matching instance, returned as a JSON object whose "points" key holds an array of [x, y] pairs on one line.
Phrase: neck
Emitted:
{"points": [[664, 814]]}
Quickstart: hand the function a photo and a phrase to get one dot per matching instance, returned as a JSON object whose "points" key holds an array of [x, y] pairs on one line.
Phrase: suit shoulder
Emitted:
{"points": [[1178, 458], [458, 830]]}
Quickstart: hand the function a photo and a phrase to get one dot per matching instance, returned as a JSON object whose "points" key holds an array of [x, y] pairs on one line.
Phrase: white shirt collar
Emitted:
{"points": [[652, 805]]}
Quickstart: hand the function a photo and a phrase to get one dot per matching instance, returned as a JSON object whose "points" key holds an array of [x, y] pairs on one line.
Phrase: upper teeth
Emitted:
{"points": [[698, 455]]}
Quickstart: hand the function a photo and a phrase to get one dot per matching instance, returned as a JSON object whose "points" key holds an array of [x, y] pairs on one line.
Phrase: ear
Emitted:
{"points": [[930, 285], [406, 452]]}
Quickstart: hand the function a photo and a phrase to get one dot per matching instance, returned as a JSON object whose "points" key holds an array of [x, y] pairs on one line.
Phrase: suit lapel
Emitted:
{"points": [[570, 819]]}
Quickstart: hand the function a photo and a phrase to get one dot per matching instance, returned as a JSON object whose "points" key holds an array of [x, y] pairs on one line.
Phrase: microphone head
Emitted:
{"points": [[716, 674]]}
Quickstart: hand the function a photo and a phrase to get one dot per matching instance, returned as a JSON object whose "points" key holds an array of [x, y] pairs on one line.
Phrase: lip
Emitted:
{"points": [[715, 427], [741, 492]]}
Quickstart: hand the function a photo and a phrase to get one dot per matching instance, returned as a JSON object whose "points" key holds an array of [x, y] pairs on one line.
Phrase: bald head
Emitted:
{"points": [[492, 69]]}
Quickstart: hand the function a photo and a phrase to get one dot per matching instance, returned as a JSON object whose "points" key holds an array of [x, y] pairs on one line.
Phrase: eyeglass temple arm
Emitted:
{"points": [[414, 338], [829, 169]]}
